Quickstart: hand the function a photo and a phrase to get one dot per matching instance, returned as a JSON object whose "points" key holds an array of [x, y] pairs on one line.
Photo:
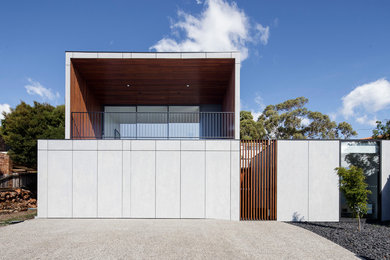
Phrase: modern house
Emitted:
{"points": [[156, 135], [148, 135]]}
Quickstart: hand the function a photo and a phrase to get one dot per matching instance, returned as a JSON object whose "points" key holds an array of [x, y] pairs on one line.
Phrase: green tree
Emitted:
{"points": [[345, 130], [249, 129], [354, 188], [292, 120], [25, 124], [382, 130]]}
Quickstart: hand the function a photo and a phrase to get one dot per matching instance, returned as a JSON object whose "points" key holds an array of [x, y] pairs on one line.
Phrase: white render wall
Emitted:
{"points": [[138, 179], [307, 184], [385, 159], [154, 55]]}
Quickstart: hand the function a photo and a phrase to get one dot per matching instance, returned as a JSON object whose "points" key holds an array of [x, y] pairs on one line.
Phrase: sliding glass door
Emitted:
{"points": [[151, 122]]}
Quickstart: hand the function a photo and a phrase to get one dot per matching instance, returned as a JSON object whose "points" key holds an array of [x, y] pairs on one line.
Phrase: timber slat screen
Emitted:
{"points": [[258, 179]]}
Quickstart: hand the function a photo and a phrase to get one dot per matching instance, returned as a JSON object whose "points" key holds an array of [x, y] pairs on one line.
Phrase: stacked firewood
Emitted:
{"points": [[12, 200]]}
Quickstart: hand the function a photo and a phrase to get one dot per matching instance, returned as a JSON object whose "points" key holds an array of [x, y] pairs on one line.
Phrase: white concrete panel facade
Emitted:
{"points": [[143, 184], [168, 184], [85, 179], [109, 184], [292, 180], [218, 184], [193, 177], [59, 179], [385, 159], [307, 184], [42, 182], [138, 179], [323, 181]]}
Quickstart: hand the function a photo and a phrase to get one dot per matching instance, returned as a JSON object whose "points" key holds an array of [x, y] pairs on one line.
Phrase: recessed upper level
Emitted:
{"points": [[209, 80]]}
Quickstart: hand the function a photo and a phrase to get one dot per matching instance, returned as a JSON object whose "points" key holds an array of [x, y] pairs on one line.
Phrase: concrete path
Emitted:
{"points": [[162, 239]]}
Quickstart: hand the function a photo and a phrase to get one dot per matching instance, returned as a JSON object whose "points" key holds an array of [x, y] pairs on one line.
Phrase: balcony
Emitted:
{"points": [[152, 125]]}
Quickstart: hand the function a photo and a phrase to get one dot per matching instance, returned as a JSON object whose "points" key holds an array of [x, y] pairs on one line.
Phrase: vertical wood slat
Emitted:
{"points": [[258, 179], [262, 180], [252, 175], [246, 180]]}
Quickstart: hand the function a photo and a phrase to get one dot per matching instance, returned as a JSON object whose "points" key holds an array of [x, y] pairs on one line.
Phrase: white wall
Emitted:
{"points": [[385, 159], [138, 179], [307, 184]]}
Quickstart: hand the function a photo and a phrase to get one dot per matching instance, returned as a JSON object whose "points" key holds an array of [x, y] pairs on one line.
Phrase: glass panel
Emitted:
{"points": [[119, 122], [364, 155], [152, 122], [184, 121]]}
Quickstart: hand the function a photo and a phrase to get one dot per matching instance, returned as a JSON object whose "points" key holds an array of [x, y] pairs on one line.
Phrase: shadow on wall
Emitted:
{"points": [[296, 217], [386, 200]]}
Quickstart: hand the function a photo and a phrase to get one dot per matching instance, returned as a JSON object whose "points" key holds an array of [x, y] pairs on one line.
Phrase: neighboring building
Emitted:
{"points": [[156, 135]]}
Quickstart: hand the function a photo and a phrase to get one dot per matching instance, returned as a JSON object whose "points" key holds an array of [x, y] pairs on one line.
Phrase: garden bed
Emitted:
{"points": [[372, 242]]}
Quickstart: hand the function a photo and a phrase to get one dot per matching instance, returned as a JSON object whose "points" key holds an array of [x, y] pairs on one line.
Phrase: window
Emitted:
{"points": [[365, 155]]}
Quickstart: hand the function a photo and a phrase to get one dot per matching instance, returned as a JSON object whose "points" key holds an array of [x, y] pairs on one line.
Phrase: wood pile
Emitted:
{"points": [[13, 200]]}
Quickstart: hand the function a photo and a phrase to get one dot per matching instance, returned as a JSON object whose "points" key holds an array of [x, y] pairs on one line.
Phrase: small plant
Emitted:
{"points": [[354, 188]]}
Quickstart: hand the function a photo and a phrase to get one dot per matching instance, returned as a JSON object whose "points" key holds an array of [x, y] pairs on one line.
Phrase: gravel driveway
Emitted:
{"points": [[163, 239]]}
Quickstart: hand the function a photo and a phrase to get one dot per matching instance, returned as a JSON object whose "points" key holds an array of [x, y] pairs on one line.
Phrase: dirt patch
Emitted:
{"points": [[9, 218]]}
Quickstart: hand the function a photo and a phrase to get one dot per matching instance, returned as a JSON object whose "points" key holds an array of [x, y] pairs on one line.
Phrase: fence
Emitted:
{"points": [[152, 125], [258, 179], [19, 180]]}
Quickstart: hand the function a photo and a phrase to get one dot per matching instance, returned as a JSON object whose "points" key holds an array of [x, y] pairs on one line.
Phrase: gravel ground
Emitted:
{"points": [[163, 239], [372, 242]]}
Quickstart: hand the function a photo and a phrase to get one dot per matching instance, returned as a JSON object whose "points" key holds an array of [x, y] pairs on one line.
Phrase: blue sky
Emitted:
{"points": [[336, 53]]}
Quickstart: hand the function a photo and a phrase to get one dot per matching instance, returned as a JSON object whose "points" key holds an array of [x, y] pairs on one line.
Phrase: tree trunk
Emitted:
{"points": [[358, 219]]}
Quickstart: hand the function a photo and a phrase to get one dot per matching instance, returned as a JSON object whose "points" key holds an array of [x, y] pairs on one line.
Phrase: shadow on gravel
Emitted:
{"points": [[319, 225]]}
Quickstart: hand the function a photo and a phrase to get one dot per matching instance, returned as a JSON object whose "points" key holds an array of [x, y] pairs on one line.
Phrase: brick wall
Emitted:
{"points": [[5, 164]]}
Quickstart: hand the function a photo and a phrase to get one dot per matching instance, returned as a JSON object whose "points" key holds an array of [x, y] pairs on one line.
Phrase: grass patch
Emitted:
{"points": [[18, 216]]}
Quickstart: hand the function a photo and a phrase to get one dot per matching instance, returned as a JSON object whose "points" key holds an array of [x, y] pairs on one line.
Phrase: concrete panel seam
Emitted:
{"points": [[72, 182], [180, 182], [230, 188], [131, 163], [47, 184], [97, 184], [205, 182], [122, 184], [155, 180], [308, 180]]}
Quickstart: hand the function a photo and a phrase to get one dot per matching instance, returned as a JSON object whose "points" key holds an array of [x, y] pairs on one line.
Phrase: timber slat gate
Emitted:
{"points": [[258, 179]]}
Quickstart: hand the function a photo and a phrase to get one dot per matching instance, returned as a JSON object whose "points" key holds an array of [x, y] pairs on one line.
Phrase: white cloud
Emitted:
{"points": [[4, 108], [364, 120], [260, 107], [36, 88], [198, 2], [368, 98], [221, 26], [263, 33], [259, 101]]}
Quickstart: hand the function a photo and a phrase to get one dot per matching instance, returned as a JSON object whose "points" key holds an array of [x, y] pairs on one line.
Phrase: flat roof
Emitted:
{"points": [[151, 55]]}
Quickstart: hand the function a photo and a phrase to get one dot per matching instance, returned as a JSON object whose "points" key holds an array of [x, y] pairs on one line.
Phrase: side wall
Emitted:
{"points": [[385, 180], [307, 182], [138, 179]]}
